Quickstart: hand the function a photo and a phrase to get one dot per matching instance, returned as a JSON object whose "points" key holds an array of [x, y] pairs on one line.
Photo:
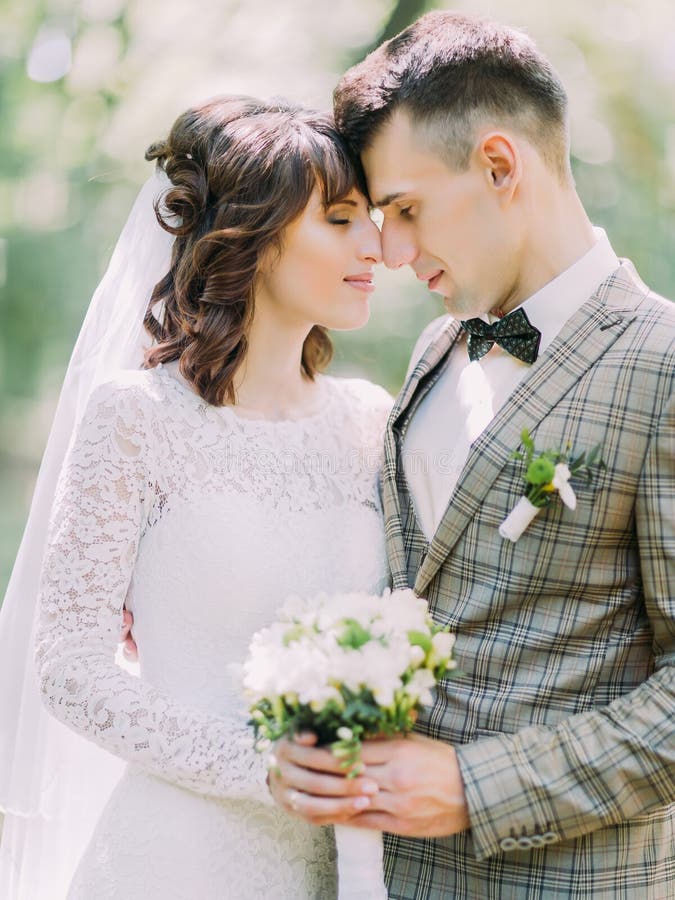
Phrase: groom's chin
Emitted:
{"points": [[452, 307], [462, 307]]}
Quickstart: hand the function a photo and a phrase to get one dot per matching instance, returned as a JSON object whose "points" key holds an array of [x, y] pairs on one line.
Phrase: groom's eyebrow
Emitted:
{"points": [[385, 201]]}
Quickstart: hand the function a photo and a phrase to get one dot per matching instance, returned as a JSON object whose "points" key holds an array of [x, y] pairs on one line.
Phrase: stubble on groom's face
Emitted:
{"points": [[443, 223]]}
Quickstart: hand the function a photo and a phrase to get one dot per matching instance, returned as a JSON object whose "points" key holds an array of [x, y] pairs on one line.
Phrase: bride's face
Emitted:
{"points": [[323, 275]]}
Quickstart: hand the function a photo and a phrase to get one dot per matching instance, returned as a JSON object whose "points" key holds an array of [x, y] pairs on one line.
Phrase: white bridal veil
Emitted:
{"points": [[53, 783]]}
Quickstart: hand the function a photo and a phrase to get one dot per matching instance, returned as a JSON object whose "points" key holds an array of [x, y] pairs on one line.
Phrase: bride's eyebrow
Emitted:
{"points": [[344, 202]]}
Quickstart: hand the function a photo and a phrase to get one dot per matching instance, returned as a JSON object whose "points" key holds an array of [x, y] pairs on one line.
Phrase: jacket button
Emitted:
{"points": [[508, 843], [537, 840], [549, 837], [524, 843]]}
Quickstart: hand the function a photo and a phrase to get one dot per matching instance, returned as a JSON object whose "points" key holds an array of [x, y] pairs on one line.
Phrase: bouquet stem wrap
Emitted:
{"points": [[360, 863]]}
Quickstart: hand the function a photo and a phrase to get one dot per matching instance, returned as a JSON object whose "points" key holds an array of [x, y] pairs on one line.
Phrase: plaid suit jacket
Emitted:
{"points": [[564, 715]]}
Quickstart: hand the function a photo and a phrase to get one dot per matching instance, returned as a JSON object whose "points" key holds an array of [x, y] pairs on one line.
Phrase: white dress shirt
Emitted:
{"points": [[468, 394]]}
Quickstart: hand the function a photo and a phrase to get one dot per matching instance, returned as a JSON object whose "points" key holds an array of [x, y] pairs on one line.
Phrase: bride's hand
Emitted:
{"points": [[130, 649], [308, 782]]}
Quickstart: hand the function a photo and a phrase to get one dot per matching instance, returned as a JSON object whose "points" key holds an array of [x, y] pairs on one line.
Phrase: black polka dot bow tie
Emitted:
{"points": [[513, 333]]}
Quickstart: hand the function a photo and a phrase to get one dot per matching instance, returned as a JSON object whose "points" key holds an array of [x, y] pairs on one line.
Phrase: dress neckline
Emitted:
{"points": [[170, 372]]}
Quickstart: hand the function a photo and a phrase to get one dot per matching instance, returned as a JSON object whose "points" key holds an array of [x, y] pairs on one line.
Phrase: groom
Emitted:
{"points": [[547, 769]]}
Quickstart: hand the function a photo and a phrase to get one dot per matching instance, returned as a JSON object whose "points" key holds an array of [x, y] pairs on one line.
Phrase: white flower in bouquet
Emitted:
{"points": [[419, 686], [355, 661]]}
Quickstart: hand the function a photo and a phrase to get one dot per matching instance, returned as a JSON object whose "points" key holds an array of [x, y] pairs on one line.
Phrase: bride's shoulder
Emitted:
{"points": [[132, 390], [361, 391]]}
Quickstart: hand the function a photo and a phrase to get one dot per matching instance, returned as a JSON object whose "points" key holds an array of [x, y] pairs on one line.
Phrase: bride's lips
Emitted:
{"points": [[362, 282]]}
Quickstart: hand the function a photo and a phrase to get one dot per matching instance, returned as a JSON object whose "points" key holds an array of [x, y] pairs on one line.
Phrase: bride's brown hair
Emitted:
{"points": [[241, 171]]}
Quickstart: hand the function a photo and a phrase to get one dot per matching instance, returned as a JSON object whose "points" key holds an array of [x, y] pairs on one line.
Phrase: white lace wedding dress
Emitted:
{"points": [[204, 521]]}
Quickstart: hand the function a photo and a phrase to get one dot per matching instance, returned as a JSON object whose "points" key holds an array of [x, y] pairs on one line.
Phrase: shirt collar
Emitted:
{"points": [[553, 304]]}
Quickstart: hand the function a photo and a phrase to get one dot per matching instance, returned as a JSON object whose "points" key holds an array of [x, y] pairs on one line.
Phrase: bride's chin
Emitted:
{"points": [[350, 322]]}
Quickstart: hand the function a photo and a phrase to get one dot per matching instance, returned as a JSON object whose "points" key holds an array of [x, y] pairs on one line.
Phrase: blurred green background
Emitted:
{"points": [[87, 85]]}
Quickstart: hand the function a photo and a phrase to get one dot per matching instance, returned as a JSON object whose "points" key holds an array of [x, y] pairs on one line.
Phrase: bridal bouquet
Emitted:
{"points": [[347, 667]]}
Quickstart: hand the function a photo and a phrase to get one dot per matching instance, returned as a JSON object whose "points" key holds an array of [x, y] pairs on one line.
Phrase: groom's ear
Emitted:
{"points": [[499, 158]]}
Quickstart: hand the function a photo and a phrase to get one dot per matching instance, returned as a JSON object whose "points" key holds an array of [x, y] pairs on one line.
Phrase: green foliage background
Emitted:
{"points": [[71, 156]]}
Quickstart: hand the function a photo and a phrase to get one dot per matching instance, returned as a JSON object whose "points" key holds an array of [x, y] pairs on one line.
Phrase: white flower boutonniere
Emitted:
{"points": [[547, 473]]}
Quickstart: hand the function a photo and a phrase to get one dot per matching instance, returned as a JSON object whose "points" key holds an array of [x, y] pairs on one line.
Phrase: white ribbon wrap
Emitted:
{"points": [[518, 519], [360, 855]]}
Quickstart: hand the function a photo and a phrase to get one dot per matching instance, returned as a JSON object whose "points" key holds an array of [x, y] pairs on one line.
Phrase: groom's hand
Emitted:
{"points": [[129, 649], [410, 786], [421, 792]]}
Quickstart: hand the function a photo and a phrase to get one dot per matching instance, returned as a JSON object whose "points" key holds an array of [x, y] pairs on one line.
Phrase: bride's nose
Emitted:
{"points": [[371, 244]]}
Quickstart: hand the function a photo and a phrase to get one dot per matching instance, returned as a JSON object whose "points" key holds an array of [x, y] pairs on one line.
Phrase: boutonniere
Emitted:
{"points": [[546, 475]]}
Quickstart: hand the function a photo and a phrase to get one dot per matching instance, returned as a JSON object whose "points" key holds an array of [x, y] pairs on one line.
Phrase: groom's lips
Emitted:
{"points": [[432, 278]]}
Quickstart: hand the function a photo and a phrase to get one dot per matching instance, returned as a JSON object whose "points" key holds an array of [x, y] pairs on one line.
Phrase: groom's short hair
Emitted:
{"points": [[450, 72]]}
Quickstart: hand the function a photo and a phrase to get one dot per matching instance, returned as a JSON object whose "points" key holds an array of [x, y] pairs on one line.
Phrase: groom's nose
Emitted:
{"points": [[371, 244], [398, 249]]}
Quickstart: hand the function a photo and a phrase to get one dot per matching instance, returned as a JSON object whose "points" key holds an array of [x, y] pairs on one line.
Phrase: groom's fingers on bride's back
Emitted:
{"points": [[129, 648]]}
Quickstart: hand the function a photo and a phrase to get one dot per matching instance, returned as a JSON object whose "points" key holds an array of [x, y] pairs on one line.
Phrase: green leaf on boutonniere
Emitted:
{"points": [[527, 443], [593, 455]]}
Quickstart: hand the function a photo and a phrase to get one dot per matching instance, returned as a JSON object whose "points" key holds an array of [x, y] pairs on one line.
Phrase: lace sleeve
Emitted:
{"points": [[101, 506]]}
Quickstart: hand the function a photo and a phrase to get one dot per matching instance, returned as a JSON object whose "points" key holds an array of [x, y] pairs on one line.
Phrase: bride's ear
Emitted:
{"points": [[267, 261], [499, 158]]}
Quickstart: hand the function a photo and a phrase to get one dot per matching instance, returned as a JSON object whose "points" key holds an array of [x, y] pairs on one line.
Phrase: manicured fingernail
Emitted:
{"points": [[362, 803], [369, 787]]}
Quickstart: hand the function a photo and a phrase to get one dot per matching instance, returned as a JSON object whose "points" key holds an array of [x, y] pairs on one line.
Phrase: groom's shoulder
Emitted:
{"points": [[433, 329], [652, 316], [426, 339]]}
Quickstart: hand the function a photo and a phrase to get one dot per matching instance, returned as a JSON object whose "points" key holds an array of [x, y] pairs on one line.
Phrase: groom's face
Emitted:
{"points": [[450, 226]]}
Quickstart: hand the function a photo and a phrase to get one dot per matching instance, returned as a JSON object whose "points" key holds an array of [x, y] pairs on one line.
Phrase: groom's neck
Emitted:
{"points": [[557, 233]]}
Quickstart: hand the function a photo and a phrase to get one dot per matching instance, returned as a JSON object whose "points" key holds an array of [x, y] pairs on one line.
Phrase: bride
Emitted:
{"points": [[198, 491]]}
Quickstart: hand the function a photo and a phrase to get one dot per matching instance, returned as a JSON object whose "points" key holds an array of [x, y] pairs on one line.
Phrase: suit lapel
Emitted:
{"points": [[415, 388], [585, 338]]}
